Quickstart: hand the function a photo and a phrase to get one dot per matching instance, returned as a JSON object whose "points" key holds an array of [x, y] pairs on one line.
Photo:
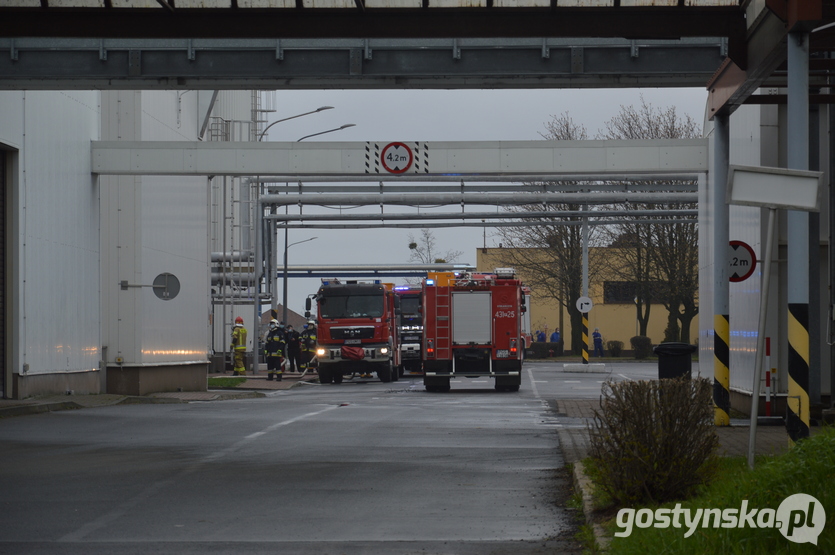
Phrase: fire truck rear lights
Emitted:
{"points": [[513, 346], [430, 348]]}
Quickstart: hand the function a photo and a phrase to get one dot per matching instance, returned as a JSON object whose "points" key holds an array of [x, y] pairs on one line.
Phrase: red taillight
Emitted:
{"points": [[430, 348], [513, 346]]}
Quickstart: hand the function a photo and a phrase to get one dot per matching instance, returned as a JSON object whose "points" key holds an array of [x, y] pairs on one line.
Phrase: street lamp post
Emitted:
{"points": [[286, 247], [258, 256], [320, 109], [271, 277], [346, 126]]}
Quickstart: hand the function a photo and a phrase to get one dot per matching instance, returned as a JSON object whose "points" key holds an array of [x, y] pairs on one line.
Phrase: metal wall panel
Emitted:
{"points": [[3, 304], [174, 239], [59, 234]]}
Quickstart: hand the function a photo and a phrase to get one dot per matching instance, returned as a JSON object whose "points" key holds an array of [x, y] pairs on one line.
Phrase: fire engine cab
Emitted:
{"points": [[473, 328], [356, 326]]}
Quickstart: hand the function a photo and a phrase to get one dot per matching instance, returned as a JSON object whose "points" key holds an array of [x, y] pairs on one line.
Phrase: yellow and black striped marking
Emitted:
{"points": [[721, 372], [797, 415], [585, 338]]}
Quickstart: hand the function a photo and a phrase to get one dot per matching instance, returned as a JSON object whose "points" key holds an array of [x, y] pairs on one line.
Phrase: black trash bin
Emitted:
{"points": [[674, 359]]}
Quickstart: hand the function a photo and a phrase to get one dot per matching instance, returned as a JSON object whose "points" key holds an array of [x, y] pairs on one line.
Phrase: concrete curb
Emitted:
{"points": [[38, 407], [594, 368], [21, 410], [582, 483]]}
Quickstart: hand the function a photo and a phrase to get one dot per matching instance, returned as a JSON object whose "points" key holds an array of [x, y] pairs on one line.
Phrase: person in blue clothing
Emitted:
{"points": [[540, 336], [555, 336], [598, 342]]}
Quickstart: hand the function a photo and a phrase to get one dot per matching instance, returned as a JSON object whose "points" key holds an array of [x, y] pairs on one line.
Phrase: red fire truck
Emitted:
{"points": [[356, 328], [473, 328], [410, 327]]}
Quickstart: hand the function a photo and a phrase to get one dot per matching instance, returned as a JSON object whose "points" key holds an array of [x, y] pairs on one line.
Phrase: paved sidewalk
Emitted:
{"points": [[254, 386]]}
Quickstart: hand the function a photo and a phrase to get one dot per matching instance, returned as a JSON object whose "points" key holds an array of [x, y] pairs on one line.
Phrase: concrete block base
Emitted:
{"points": [[595, 368], [142, 380], [38, 385]]}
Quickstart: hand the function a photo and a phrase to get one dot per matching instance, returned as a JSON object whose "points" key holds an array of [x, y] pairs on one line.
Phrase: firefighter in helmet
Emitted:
{"points": [[308, 346], [274, 351], [239, 347]]}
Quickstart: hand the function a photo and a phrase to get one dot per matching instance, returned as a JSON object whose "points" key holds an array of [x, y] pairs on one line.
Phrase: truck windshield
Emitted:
{"points": [[351, 306], [410, 305]]}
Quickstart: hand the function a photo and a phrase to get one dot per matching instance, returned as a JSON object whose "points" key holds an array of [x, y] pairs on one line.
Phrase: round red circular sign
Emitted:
{"points": [[742, 261], [396, 157]]}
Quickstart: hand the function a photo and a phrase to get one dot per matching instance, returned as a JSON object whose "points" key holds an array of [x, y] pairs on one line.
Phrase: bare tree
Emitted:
{"points": [[424, 250], [550, 254], [656, 252]]}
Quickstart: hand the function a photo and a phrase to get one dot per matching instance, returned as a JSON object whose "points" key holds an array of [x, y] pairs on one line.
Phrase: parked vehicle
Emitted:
{"points": [[356, 324], [410, 327], [473, 328]]}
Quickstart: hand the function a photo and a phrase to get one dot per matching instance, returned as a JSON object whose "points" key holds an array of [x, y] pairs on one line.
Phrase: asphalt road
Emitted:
{"points": [[360, 467]]}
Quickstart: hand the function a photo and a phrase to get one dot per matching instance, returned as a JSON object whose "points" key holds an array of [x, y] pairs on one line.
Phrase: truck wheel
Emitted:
{"points": [[436, 385], [337, 377], [384, 372], [325, 375], [509, 383]]}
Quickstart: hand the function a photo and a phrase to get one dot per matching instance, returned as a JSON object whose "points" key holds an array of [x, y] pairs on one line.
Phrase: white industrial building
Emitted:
{"points": [[82, 252]]}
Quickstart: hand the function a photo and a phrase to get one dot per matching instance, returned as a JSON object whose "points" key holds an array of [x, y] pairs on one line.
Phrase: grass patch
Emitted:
{"points": [[808, 468], [226, 382]]}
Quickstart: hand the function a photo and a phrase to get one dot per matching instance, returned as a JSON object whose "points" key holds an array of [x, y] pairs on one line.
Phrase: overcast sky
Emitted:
{"points": [[421, 115]]}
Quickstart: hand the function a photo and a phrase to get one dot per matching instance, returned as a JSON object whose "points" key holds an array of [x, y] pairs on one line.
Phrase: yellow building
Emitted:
{"points": [[615, 315]]}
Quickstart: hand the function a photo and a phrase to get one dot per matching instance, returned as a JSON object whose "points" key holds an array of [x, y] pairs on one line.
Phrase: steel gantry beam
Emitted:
{"points": [[327, 63], [452, 161]]}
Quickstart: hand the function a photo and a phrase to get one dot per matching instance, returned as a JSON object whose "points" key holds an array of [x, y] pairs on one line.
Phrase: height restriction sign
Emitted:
{"points": [[396, 157], [742, 260]]}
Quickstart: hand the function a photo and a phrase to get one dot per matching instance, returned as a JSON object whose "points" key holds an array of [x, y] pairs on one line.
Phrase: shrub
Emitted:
{"points": [[641, 346], [615, 348], [545, 350], [653, 441], [538, 350]]}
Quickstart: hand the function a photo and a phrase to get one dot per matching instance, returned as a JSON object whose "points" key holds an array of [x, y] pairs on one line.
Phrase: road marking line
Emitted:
{"points": [[533, 384], [151, 490], [626, 377]]}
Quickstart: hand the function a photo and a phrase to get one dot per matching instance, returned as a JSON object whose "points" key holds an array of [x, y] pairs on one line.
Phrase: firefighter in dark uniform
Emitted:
{"points": [[293, 349], [274, 345], [308, 346]]}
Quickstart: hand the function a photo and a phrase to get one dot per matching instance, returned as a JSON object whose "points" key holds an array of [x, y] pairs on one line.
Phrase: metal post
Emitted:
{"points": [[257, 266], [284, 298], [797, 418], [585, 285], [765, 268], [721, 287]]}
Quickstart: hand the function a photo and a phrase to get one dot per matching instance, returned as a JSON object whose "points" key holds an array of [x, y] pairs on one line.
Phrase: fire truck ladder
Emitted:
{"points": [[442, 322]]}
